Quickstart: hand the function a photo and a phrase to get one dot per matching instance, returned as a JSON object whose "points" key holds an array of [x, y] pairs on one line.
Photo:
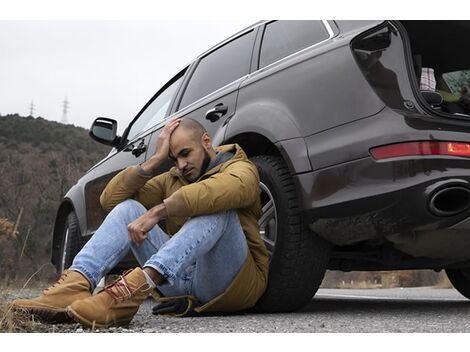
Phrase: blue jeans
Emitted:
{"points": [[201, 259]]}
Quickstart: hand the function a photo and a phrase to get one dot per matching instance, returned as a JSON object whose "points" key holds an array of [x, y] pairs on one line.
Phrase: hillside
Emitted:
{"points": [[39, 161], [48, 135]]}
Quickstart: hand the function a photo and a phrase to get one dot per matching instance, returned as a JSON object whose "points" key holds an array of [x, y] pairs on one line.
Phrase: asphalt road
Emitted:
{"points": [[357, 311], [346, 311]]}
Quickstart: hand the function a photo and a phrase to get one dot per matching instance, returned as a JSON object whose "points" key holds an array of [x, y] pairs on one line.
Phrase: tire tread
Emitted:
{"points": [[300, 259]]}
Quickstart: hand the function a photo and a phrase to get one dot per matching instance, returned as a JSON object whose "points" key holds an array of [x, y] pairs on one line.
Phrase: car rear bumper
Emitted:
{"points": [[365, 200]]}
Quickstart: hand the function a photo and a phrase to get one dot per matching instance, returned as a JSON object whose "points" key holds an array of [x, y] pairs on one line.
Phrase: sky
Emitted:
{"points": [[109, 57], [104, 68]]}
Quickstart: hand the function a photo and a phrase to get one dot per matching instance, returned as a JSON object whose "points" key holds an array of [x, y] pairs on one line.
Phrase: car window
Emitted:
{"points": [[156, 111], [456, 80], [282, 38], [220, 67]]}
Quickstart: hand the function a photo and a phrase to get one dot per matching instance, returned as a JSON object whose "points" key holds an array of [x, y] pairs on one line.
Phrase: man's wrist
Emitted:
{"points": [[160, 211]]}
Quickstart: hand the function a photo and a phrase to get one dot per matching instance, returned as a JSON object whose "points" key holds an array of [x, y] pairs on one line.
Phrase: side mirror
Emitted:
{"points": [[103, 130]]}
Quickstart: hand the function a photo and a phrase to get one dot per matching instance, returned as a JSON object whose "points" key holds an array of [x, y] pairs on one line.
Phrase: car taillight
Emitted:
{"points": [[420, 148]]}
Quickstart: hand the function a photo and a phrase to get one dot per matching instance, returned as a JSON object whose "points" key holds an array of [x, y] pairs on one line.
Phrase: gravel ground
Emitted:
{"points": [[333, 310]]}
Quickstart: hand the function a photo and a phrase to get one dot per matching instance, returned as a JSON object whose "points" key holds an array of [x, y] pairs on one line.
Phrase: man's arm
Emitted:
{"points": [[132, 182], [148, 192], [234, 188], [129, 183]]}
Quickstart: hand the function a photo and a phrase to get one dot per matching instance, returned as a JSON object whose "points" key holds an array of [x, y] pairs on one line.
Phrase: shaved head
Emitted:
{"points": [[193, 127]]}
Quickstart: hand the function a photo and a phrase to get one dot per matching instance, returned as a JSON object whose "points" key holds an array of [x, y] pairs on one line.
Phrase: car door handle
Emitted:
{"points": [[136, 150], [216, 112], [140, 149]]}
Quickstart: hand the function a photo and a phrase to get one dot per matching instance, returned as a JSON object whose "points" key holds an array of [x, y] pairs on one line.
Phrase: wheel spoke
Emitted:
{"points": [[269, 244], [268, 220], [268, 213], [269, 204], [65, 249]]}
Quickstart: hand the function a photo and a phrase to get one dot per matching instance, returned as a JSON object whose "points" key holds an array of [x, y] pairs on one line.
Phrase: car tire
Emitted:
{"points": [[460, 279], [298, 257], [70, 242]]}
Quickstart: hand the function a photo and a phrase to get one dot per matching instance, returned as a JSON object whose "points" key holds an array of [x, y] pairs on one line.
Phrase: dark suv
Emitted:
{"points": [[359, 134]]}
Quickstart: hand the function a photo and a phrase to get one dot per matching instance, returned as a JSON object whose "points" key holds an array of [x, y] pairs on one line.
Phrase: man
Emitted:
{"points": [[212, 253]]}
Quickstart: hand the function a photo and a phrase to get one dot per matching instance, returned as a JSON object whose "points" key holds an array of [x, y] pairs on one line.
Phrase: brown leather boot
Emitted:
{"points": [[51, 305], [115, 305]]}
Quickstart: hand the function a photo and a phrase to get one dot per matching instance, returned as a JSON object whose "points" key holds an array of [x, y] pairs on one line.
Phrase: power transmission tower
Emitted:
{"points": [[65, 110], [31, 108]]}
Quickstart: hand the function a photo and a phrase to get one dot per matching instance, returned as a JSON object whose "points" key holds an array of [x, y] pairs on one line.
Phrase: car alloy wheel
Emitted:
{"points": [[268, 221]]}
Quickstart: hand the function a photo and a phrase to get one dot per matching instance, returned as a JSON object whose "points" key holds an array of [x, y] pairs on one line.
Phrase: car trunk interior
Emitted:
{"points": [[442, 63]]}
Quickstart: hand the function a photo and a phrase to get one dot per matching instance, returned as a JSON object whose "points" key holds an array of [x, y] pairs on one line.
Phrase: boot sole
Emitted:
{"points": [[93, 324], [46, 315]]}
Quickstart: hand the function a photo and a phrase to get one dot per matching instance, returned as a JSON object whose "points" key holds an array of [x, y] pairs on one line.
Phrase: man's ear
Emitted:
{"points": [[206, 141]]}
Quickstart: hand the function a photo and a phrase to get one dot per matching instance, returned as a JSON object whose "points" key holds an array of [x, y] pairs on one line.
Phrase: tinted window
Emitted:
{"points": [[282, 38], [156, 111], [219, 68]]}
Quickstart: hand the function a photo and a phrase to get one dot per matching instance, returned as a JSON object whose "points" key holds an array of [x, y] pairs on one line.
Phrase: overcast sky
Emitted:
{"points": [[103, 68], [112, 67]]}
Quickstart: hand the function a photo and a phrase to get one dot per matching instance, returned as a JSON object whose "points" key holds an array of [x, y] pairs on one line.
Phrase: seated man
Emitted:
{"points": [[211, 252]]}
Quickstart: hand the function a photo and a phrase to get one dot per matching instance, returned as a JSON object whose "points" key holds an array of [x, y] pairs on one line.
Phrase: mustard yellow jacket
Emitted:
{"points": [[233, 184]]}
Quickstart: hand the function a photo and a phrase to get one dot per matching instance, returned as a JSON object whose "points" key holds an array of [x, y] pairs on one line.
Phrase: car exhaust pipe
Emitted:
{"points": [[450, 200]]}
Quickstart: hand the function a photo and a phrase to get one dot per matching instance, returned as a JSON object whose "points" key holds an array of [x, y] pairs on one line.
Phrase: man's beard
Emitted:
{"points": [[205, 163]]}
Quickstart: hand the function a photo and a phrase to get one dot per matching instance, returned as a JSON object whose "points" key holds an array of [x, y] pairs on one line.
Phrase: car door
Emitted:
{"points": [[134, 151], [210, 93]]}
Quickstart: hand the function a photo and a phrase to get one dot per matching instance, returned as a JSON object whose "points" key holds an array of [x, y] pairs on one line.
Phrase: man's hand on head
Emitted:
{"points": [[163, 147], [139, 228]]}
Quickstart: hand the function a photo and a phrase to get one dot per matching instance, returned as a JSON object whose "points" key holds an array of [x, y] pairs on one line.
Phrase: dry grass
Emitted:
{"points": [[22, 322], [16, 321], [6, 227]]}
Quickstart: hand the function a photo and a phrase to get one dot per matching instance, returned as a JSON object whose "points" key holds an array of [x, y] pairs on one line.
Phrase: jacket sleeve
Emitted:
{"points": [[233, 188], [130, 184]]}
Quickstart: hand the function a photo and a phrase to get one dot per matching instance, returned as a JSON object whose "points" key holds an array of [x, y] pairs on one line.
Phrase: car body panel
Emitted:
{"points": [[290, 91], [101, 177]]}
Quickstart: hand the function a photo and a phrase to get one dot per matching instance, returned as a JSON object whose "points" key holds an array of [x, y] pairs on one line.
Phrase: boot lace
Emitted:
{"points": [[59, 279], [120, 290]]}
